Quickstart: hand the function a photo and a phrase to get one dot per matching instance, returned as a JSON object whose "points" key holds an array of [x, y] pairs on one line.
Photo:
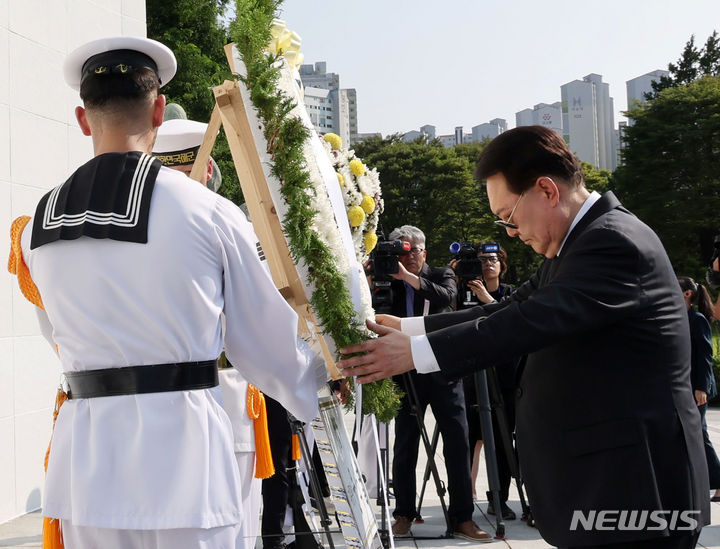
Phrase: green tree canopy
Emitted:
{"points": [[596, 180], [694, 63], [670, 176], [193, 30]]}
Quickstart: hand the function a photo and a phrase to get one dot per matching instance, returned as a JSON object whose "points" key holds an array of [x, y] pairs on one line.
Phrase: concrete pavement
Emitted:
{"points": [[25, 531]]}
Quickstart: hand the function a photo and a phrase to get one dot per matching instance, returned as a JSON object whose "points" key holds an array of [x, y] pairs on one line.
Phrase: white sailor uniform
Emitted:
{"points": [[160, 460], [234, 390]]}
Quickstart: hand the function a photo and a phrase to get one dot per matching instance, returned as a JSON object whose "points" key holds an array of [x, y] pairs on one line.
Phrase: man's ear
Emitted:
{"points": [[81, 116], [158, 110], [550, 190]]}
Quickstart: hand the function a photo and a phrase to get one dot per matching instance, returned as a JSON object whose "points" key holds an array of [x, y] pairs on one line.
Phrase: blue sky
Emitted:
{"points": [[464, 62]]}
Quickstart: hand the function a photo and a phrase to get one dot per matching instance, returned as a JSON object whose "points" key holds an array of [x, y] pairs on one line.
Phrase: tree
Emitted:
{"points": [[693, 64], [596, 180], [192, 29], [670, 176]]}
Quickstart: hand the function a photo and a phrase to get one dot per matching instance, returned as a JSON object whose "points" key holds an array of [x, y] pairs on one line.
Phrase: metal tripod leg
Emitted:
{"points": [[498, 406], [297, 427], [483, 401], [415, 408], [382, 497], [426, 476]]}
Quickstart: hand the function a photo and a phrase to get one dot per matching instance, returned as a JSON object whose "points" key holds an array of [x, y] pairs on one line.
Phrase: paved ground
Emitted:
{"points": [[24, 531]]}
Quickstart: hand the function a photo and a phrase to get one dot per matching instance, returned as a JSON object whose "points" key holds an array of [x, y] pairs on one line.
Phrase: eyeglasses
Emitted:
{"points": [[489, 259], [507, 223], [416, 250]]}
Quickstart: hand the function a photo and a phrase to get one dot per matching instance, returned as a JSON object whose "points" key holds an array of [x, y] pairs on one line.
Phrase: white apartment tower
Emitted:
{"points": [[639, 86], [588, 121], [489, 130], [336, 111], [542, 114]]}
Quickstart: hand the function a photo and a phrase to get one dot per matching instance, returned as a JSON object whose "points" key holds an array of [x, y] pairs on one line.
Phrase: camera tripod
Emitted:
{"points": [[489, 399], [306, 454], [431, 466]]}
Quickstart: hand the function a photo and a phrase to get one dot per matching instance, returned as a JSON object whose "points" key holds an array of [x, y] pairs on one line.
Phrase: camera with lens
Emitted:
{"points": [[384, 258], [469, 267], [383, 263]]}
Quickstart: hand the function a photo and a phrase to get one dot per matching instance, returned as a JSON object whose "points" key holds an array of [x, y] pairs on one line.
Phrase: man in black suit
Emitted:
{"points": [[418, 290], [608, 433]]}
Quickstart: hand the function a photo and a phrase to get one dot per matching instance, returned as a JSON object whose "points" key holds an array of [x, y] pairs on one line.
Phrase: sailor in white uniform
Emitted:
{"points": [[136, 269], [177, 144]]}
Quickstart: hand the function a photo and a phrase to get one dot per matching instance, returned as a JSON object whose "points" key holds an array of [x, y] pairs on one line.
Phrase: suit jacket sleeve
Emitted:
{"points": [[437, 285], [443, 320], [595, 282], [702, 351]]}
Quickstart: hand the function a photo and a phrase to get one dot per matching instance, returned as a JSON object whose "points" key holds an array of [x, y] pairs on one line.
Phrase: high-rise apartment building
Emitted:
{"points": [[338, 107], [489, 130], [639, 86], [588, 121], [542, 114], [319, 105]]}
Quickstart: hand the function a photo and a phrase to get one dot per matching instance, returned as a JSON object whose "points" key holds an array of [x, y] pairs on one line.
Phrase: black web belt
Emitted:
{"points": [[135, 380]]}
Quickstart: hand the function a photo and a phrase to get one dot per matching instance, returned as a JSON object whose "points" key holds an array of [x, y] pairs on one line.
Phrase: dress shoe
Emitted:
{"points": [[470, 531], [507, 513], [401, 527]]}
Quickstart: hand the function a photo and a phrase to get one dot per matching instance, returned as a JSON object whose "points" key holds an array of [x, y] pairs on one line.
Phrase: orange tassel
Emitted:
{"points": [[296, 455], [17, 266], [51, 532], [264, 467]]}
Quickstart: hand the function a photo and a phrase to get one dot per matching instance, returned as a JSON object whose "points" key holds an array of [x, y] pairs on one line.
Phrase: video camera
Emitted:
{"points": [[383, 263], [384, 258], [469, 267], [713, 276]]}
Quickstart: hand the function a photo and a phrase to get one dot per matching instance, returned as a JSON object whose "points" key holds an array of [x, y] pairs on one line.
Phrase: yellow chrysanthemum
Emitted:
{"points": [[356, 215], [341, 179], [334, 139], [370, 242], [357, 167], [367, 204]]}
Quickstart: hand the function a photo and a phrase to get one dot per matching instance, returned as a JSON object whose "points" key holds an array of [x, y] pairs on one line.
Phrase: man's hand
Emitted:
{"points": [[402, 274], [386, 356], [388, 320], [700, 397]]}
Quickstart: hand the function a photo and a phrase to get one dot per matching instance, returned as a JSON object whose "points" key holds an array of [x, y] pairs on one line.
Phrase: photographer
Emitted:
{"points": [[417, 290], [486, 287]]}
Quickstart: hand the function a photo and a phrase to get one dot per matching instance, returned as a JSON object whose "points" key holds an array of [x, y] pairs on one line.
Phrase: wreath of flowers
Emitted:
{"points": [[287, 146], [361, 193]]}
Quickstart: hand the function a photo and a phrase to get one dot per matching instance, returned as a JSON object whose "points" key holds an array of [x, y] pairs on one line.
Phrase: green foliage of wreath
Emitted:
{"points": [[285, 136]]}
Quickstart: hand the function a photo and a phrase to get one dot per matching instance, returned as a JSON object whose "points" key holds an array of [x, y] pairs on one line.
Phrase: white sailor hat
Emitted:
{"points": [[119, 54], [178, 141]]}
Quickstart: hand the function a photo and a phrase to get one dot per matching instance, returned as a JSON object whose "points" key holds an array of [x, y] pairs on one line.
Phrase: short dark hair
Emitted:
{"points": [[525, 153], [118, 90]]}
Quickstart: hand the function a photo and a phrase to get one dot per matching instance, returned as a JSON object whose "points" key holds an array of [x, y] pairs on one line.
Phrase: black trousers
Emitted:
{"points": [[710, 454], [683, 541], [275, 489], [448, 406]]}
